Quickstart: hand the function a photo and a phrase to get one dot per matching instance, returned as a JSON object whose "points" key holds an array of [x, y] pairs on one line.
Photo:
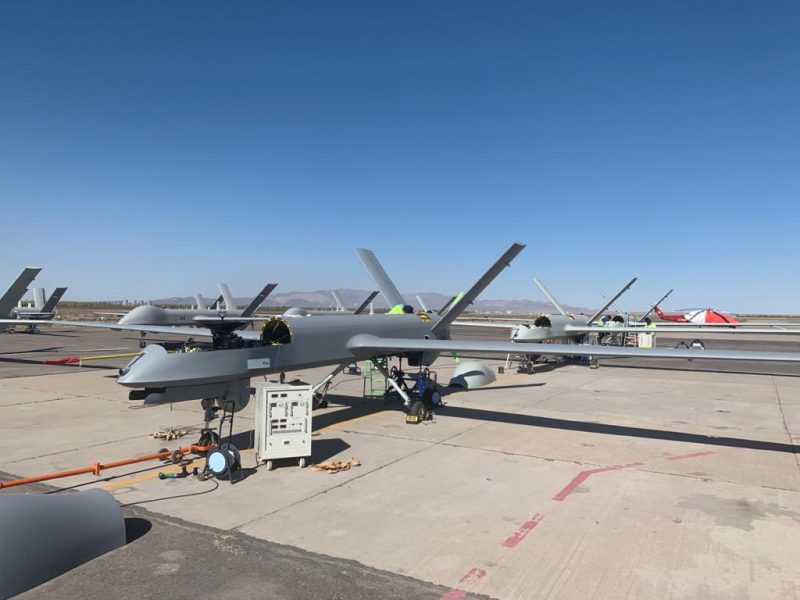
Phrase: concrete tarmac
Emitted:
{"points": [[617, 482]]}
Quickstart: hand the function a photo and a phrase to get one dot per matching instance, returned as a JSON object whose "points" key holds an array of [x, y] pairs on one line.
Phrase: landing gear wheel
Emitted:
{"points": [[302, 463], [319, 401], [269, 465], [142, 344], [176, 456], [416, 412], [208, 438], [527, 367]]}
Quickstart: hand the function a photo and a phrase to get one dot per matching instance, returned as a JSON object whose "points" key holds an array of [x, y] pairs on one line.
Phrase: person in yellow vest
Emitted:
{"points": [[603, 322], [648, 339], [401, 309]]}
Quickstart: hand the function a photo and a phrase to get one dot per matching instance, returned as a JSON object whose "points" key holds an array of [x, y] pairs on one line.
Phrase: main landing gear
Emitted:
{"points": [[421, 399], [321, 389], [208, 437]]}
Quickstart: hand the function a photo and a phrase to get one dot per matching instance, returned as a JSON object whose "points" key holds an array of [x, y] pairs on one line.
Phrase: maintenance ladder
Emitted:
{"points": [[375, 384]]}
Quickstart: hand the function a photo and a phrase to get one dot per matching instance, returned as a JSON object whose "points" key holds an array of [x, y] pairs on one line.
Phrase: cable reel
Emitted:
{"points": [[224, 461]]}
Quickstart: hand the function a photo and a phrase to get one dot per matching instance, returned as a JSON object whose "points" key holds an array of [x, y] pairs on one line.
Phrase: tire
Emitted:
{"points": [[209, 438], [418, 409], [302, 463], [269, 465]]}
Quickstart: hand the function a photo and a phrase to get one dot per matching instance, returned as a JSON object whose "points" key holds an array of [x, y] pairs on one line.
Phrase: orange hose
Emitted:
{"points": [[96, 467]]}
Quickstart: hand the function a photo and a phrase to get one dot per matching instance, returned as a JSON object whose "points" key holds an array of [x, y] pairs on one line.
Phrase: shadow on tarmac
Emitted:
{"points": [[136, 528], [620, 430], [47, 334], [506, 387], [51, 349], [322, 449], [358, 407], [612, 363]]}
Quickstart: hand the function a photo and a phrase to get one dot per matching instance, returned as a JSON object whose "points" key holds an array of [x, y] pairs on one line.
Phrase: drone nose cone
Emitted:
{"points": [[144, 315], [143, 368]]}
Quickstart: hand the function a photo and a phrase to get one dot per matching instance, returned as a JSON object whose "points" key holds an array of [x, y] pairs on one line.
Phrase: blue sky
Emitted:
{"points": [[155, 148]]}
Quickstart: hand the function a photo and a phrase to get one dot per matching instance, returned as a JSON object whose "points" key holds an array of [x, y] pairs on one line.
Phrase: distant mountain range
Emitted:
{"points": [[322, 299]]}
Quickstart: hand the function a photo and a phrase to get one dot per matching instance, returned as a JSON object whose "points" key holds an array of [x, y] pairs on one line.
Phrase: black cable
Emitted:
{"points": [[216, 485]]}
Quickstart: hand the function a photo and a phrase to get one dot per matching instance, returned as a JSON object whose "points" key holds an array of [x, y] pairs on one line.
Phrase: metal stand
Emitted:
{"points": [[400, 391]]}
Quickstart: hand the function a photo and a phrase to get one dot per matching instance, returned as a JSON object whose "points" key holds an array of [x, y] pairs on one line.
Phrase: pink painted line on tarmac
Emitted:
{"points": [[692, 455], [584, 475], [473, 576], [524, 529], [470, 579]]}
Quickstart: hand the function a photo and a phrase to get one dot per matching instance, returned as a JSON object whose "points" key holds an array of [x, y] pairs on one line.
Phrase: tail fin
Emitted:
{"points": [[550, 297], [616, 308], [258, 300], [17, 290], [217, 303], [655, 307], [201, 304], [366, 303], [38, 298], [468, 298], [624, 289], [422, 304], [379, 276], [54, 299], [338, 300], [230, 304]]}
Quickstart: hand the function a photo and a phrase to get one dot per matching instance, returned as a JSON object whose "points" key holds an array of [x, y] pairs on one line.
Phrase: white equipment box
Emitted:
{"points": [[283, 422]]}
